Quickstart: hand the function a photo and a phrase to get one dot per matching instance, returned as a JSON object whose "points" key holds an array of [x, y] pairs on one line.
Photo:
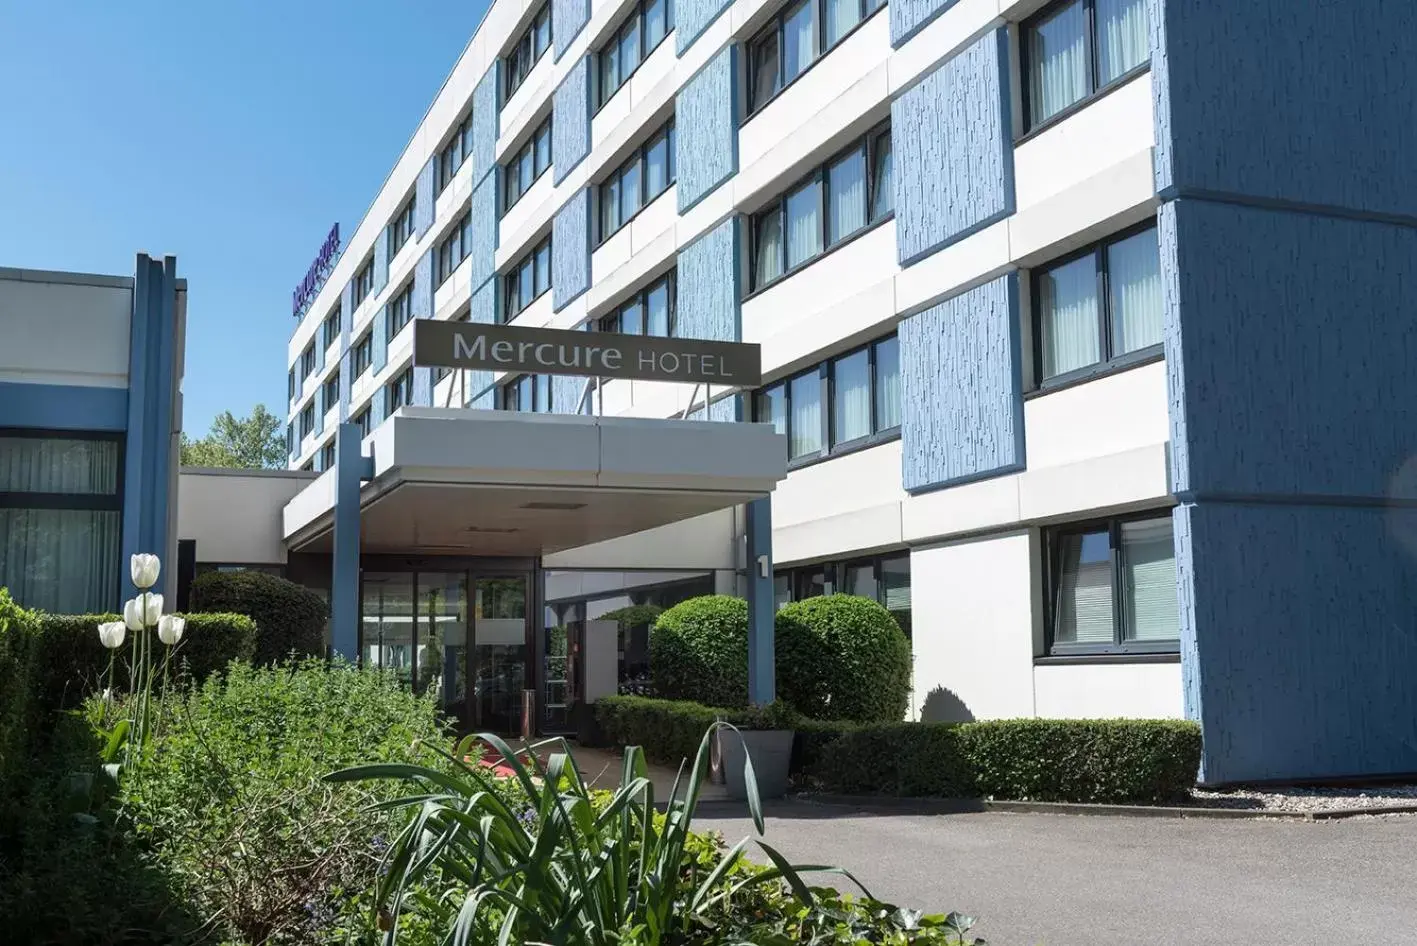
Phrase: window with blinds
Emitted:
{"points": [[1112, 587]]}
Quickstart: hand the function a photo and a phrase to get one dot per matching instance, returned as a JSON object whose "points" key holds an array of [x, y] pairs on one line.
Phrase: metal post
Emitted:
{"points": [[762, 683], [350, 470], [528, 715]]}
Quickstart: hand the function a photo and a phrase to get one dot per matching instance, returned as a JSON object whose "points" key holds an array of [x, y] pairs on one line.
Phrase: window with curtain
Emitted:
{"points": [[1113, 587], [453, 249], [1076, 48], [526, 167], [526, 392], [528, 278], [882, 195], [454, 153], [648, 311], [851, 397], [645, 175], [400, 311], [528, 49], [638, 36], [60, 521], [796, 39], [401, 230], [1081, 328], [399, 392], [826, 207], [364, 281], [860, 392]]}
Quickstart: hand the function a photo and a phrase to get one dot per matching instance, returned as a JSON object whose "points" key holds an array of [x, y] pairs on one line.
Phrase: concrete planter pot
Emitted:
{"points": [[771, 752]]}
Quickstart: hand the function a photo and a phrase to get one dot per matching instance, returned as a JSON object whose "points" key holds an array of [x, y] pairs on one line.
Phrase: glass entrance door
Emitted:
{"points": [[442, 639], [499, 652]]}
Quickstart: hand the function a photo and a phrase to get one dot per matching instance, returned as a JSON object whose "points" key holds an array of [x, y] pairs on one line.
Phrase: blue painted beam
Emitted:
{"points": [[351, 468], [762, 658], [63, 406]]}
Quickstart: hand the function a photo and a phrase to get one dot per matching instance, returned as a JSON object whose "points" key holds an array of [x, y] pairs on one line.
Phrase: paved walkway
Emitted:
{"points": [[1061, 880]]}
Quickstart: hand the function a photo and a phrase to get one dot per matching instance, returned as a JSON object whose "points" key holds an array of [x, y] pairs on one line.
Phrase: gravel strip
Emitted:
{"points": [[1307, 799]]}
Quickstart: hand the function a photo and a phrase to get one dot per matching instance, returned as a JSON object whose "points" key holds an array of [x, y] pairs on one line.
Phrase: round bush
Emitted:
{"points": [[698, 650], [843, 657], [289, 618]]}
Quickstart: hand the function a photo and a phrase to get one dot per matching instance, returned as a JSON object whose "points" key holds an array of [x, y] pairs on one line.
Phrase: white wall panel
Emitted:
{"points": [[94, 320], [1109, 415], [1109, 691], [236, 517]]}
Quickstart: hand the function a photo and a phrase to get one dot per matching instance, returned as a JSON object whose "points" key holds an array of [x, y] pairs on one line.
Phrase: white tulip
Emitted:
{"points": [[154, 610], [169, 629], [133, 614], [145, 571], [111, 634]]}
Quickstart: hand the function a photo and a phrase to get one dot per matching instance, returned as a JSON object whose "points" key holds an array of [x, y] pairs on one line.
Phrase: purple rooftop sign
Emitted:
{"points": [[317, 274]]}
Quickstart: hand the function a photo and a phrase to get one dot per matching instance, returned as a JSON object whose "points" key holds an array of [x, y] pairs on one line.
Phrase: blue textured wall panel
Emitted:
{"points": [[566, 393], [483, 231], [961, 389], [345, 369], [424, 197], [909, 17], [953, 150], [150, 450], [570, 250], [1251, 115], [706, 126], [570, 120], [482, 311], [568, 18], [381, 261], [422, 306], [486, 123], [1287, 367], [692, 17], [726, 409], [1305, 622], [708, 287]]}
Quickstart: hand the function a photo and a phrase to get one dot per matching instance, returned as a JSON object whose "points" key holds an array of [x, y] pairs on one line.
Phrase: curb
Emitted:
{"points": [[957, 806]]}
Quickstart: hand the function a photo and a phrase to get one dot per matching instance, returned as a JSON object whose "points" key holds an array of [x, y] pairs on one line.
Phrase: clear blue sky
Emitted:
{"points": [[229, 134]]}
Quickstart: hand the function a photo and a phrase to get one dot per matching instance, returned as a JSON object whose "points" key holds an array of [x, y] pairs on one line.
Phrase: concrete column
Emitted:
{"points": [[351, 467], [762, 683]]}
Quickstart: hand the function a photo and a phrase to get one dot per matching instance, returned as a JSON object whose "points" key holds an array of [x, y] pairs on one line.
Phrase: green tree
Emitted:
{"points": [[251, 443]]}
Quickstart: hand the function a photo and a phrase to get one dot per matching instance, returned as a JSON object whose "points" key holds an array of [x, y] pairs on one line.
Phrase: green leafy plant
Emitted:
{"points": [[668, 731], [843, 657], [698, 651], [564, 869], [233, 805], [290, 619]]}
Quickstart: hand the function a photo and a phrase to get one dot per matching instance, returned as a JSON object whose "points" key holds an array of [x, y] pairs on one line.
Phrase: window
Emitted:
{"points": [[648, 312], [527, 279], [327, 456], [61, 520], [330, 328], [307, 361], [361, 420], [329, 395], [290, 387], [527, 166], [645, 175], [364, 282], [454, 153], [399, 392], [454, 249], [528, 49], [363, 353], [1100, 307], [846, 402], [527, 392], [885, 579], [400, 311], [1112, 587], [307, 420], [631, 44], [795, 39], [401, 230], [833, 203], [1075, 49]]}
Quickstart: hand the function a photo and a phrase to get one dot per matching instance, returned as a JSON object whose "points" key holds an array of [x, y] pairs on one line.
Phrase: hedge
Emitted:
{"points": [[290, 618], [698, 651], [1104, 761], [670, 731], [843, 657]]}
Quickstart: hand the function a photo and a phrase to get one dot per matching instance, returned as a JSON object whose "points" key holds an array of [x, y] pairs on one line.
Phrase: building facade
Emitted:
{"points": [[90, 424], [1080, 321]]}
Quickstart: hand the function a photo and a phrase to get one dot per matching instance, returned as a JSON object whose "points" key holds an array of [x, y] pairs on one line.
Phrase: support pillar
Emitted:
{"points": [[351, 468], [762, 682]]}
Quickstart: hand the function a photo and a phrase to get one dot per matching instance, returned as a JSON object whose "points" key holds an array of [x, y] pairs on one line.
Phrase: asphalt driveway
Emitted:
{"points": [[1067, 880]]}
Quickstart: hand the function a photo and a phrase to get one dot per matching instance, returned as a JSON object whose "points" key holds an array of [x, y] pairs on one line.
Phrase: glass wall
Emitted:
{"points": [[499, 652], [884, 578]]}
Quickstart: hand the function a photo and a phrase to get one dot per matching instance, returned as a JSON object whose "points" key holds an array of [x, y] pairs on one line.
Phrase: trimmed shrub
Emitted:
{"points": [[634, 615], [1083, 760], [843, 657], [1059, 760], [70, 662], [670, 731], [18, 711], [698, 651], [290, 618]]}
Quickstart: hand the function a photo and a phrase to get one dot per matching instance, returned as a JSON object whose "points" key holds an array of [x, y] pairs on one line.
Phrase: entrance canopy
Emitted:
{"points": [[473, 482]]}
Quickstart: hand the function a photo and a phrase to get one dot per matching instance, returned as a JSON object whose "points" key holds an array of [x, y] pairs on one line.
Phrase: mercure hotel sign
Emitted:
{"points": [[589, 354]]}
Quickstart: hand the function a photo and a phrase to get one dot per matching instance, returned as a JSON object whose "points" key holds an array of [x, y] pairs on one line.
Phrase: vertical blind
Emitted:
{"points": [[804, 225], [1134, 283], [59, 545], [888, 383], [806, 425], [769, 247], [1068, 302], [1149, 578], [846, 187], [1122, 37], [1084, 603], [851, 397]]}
